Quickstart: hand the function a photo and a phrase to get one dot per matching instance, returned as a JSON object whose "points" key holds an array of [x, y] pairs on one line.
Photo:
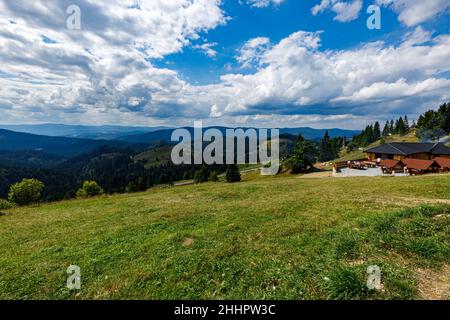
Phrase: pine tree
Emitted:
{"points": [[386, 130], [376, 132], [303, 158], [326, 152], [400, 127], [444, 110], [406, 121]]}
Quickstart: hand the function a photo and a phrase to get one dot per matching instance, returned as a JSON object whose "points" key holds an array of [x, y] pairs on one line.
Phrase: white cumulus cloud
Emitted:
{"points": [[414, 12], [263, 3], [345, 10]]}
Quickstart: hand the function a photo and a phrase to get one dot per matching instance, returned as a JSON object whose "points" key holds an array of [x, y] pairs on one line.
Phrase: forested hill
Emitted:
{"points": [[60, 146], [307, 133]]}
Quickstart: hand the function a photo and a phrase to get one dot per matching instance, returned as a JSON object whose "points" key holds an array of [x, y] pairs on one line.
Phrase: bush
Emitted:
{"points": [[233, 174], [5, 205], [214, 177], [201, 175], [26, 192], [89, 189]]}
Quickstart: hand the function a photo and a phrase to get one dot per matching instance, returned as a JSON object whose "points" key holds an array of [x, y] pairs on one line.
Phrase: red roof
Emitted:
{"points": [[443, 162], [418, 164], [389, 163]]}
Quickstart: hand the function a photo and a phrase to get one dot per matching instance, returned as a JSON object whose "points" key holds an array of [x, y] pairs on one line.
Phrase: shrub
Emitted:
{"points": [[201, 175], [26, 192], [214, 177], [89, 189], [233, 174], [5, 205]]}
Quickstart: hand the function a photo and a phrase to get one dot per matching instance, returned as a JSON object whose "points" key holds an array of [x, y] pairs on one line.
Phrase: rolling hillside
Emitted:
{"points": [[60, 146], [308, 133], [265, 238], [80, 131], [29, 158], [160, 153]]}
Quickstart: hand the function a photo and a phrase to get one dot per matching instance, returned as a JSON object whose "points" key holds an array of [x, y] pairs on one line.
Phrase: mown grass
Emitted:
{"points": [[264, 238]]}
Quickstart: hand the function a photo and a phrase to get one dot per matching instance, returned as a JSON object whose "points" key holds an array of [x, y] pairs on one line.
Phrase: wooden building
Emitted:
{"points": [[419, 166], [408, 150], [444, 163]]}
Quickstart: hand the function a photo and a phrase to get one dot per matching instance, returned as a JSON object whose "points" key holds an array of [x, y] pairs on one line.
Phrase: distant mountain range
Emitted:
{"points": [[79, 131], [66, 146], [63, 162], [144, 134], [60, 146], [307, 133]]}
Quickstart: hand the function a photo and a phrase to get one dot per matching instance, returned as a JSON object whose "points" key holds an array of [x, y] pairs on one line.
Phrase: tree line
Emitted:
{"points": [[434, 124]]}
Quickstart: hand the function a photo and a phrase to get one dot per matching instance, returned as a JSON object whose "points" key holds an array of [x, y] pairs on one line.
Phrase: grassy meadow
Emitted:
{"points": [[283, 237]]}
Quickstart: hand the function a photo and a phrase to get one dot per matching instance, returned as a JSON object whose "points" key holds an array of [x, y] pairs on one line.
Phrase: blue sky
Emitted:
{"points": [[276, 23], [268, 63]]}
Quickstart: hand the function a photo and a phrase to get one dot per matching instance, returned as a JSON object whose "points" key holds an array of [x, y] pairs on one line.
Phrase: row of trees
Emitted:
{"points": [[399, 126], [330, 147], [206, 174], [373, 132], [29, 191], [432, 125], [306, 153]]}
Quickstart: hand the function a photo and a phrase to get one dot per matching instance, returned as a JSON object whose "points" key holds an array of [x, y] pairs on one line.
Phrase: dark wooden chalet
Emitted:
{"points": [[404, 150]]}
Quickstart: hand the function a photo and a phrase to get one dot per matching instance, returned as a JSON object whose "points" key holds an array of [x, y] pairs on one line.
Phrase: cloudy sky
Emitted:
{"points": [[271, 63]]}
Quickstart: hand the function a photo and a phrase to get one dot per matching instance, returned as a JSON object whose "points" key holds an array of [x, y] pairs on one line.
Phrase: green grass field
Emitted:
{"points": [[265, 238]]}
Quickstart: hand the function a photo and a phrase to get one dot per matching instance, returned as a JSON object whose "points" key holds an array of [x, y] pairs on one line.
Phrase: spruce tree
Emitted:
{"points": [[376, 132], [326, 152], [400, 127], [391, 127], [386, 130], [406, 121], [303, 158]]}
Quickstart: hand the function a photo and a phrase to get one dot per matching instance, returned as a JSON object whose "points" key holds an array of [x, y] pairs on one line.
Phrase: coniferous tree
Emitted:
{"points": [[303, 158], [433, 124], [376, 132], [386, 130], [326, 151], [444, 110], [400, 127], [391, 126], [406, 121]]}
